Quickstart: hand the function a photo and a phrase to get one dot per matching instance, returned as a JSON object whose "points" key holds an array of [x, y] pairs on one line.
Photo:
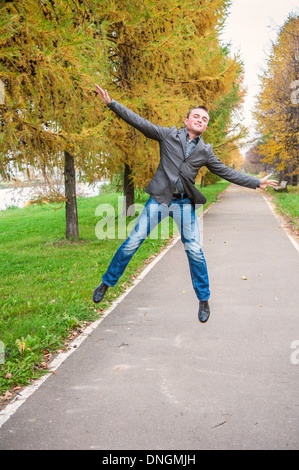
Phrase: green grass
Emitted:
{"points": [[287, 204], [46, 282]]}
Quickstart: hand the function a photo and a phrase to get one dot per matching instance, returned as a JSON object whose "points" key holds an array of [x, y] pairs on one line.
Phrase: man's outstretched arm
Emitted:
{"points": [[217, 167], [150, 130]]}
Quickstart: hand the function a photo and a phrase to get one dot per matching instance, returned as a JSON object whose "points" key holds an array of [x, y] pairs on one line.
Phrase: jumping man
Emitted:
{"points": [[173, 193]]}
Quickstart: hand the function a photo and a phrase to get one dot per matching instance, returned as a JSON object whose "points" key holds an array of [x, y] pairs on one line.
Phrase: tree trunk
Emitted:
{"points": [[294, 180], [129, 208], [71, 214]]}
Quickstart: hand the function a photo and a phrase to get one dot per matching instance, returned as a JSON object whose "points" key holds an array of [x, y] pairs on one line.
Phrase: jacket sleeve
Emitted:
{"points": [[219, 168], [143, 125]]}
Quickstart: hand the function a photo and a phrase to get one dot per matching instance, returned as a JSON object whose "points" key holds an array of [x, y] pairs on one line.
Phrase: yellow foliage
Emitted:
{"points": [[48, 74]]}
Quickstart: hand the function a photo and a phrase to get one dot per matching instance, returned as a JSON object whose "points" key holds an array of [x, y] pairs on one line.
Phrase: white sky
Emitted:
{"points": [[250, 27]]}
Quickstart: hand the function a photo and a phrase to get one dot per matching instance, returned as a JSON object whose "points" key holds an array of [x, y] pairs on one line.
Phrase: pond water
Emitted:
{"points": [[20, 196]]}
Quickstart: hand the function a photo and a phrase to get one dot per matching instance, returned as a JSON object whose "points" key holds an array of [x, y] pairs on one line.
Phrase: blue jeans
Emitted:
{"points": [[183, 213]]}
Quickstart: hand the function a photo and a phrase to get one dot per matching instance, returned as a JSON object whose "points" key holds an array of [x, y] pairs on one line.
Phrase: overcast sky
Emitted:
{"points": [[250, 27]]}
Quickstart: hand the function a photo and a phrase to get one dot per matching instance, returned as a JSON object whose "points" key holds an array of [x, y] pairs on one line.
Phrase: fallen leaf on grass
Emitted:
{"points": [[43, 365], [21, 345]]}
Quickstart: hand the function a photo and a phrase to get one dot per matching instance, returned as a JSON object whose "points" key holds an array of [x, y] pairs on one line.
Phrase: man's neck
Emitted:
{"points": [[192, 135]]}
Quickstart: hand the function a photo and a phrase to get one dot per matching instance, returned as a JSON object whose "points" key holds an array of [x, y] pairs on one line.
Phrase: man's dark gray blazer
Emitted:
{"points": [[173, 163]]}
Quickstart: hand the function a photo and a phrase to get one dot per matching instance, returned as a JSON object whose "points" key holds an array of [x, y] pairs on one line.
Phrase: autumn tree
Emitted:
{"points": [[163, 58], [277, 111], [49, 55]]}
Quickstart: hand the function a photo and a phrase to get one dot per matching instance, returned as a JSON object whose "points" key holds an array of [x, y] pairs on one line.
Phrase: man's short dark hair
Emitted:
{"points": [[197, 107]]}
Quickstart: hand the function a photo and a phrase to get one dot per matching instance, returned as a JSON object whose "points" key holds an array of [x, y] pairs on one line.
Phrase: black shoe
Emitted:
{"points": [[99, 293], [204, 311]]}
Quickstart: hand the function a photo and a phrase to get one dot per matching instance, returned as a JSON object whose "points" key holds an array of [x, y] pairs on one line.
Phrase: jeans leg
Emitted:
{"points": [[147, 221], [185, 217]]}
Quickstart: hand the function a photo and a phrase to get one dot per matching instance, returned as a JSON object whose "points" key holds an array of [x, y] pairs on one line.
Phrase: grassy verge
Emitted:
{"points": [[46, 282], [287, 204]]}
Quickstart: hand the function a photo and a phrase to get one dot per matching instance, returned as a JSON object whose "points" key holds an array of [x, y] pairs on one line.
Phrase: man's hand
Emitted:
{"points": [[103, 95], [266, 182]]}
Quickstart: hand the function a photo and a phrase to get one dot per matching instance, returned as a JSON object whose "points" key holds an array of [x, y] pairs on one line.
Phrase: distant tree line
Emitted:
{"points": [[277, 110]]}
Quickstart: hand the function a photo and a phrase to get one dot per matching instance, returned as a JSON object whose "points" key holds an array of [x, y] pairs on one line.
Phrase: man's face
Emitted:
{"points": [[197, 122]]}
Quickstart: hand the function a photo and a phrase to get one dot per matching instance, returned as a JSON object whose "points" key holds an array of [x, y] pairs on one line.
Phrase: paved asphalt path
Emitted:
{"points": [[151, 377]]}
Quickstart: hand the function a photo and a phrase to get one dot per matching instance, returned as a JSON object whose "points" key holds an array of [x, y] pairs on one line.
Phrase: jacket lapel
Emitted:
{"points": [[182, 136], [198, 148]]}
